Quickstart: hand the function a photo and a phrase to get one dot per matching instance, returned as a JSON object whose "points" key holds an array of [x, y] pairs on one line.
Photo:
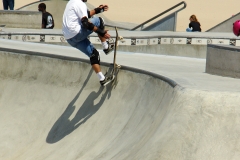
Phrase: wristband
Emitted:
{"points": [[99, 10]]}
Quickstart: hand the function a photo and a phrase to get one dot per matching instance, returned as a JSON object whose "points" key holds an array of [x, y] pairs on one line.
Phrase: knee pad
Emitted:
{"points": [[86, 24], [102, 25], [95, 58]]}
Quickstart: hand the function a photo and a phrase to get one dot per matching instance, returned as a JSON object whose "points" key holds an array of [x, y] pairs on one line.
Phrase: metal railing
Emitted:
{"points": [[166, 11]]}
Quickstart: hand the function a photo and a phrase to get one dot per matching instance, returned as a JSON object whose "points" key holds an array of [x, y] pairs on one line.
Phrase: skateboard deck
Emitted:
{"points": [[114, 67]]}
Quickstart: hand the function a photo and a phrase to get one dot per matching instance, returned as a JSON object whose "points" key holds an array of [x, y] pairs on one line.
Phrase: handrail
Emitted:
{"points": [[38, 1], [183, 2]]}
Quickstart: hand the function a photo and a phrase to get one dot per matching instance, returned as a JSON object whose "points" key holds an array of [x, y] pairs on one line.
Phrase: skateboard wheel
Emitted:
{"points": [[120, 37]]}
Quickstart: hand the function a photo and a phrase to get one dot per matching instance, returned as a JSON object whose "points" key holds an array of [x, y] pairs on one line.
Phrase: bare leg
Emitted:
{"points": [[102, 39], [96, 68]]}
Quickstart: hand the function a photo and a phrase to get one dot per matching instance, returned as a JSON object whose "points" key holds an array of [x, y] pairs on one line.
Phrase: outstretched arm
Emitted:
{"points": [[100, 9]]}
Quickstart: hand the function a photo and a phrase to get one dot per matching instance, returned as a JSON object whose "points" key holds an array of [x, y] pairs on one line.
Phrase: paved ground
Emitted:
{"points": [[55, 109]]}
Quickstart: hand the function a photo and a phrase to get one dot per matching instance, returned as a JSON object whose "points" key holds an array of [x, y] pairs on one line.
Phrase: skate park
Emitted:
{"points": [[172, 100]]}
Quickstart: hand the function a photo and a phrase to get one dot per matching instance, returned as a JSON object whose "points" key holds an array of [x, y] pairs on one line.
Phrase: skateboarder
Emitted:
{"points": [[78, 24]]}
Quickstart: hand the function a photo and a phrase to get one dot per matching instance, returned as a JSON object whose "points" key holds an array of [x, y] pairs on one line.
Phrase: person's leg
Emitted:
{"points": [[11, 4], [81, 42], [98, 21], [87, 48], [84, 45], [108, 46], [189, 30], [5, 4]]}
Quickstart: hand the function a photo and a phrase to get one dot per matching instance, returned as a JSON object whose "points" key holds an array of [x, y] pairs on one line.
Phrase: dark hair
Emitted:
{"points": [[42, 5]]}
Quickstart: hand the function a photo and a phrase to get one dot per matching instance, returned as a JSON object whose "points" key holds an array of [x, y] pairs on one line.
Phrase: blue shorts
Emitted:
{"points": [[81, 41]]}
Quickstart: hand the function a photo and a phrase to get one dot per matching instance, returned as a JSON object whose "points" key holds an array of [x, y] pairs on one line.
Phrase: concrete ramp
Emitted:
{"points": [[54, 108], [225, 26]]}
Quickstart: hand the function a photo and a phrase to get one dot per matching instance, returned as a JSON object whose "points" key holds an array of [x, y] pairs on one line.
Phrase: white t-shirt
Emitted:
{"points": [[74, 11]]}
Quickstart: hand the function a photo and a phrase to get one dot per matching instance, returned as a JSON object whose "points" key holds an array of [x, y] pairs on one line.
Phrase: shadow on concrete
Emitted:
{"points": [[64, 126]]}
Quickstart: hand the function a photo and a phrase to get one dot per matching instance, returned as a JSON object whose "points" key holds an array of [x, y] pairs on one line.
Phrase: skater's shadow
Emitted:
{"points": [[64, 125]]}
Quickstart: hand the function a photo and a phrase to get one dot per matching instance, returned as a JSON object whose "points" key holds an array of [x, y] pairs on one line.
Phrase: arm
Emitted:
{"points": [[97, 10], [190, 25], [53, 24], [43, 23]]}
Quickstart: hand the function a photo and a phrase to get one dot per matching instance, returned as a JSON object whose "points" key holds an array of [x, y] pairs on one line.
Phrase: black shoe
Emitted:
{"points": [[106, 81], [110, 47]]}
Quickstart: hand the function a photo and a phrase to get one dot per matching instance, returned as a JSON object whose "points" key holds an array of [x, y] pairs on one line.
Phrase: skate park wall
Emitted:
{"points": [[21, 19], [223, 60], [149, 42], [52, 107]]}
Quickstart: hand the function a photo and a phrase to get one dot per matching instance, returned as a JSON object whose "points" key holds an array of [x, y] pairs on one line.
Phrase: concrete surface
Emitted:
{"points": [[155, 42], [194, 51], [52, 107], [223, 60], [187, 72], [133, 34], [21, 19], [163, 107]]}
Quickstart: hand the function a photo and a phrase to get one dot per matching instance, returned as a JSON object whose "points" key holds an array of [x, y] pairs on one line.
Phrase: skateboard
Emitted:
{"points": [[114, 67]]}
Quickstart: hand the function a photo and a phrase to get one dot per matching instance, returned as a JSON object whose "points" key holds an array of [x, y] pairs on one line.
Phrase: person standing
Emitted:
{"points": [[47, 18], [8, 4], [78, 24], [194, 25]]}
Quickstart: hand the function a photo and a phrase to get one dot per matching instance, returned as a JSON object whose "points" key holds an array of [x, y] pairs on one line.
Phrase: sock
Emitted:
{"points": [[100, 76], [105, 45]]}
